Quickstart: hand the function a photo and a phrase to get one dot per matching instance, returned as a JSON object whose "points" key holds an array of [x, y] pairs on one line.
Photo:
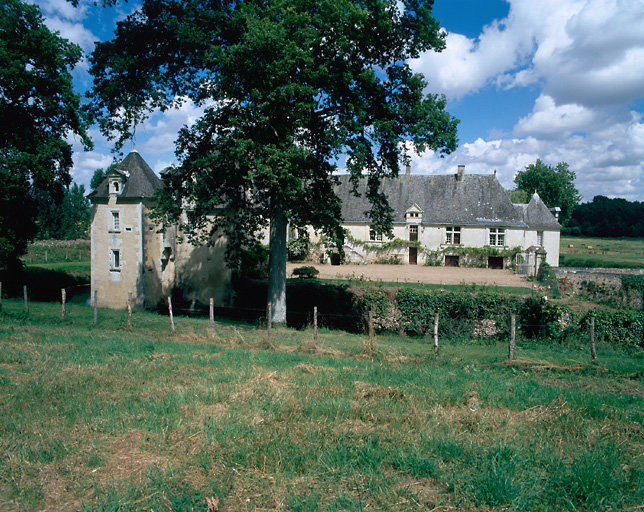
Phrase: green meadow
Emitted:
{"points": [[602, 252], [107, 418]]}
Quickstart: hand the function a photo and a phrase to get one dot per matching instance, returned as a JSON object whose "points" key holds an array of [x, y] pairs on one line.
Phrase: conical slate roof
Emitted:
{"points": [[477, 200], [141, 181], [537, 215]]}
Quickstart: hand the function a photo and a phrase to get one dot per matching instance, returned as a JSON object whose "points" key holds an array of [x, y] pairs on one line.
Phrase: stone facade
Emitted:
{"points": [[131, 254]]}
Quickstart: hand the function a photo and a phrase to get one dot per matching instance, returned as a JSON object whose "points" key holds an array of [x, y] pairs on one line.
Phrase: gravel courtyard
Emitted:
{"points": [[417, 274]]}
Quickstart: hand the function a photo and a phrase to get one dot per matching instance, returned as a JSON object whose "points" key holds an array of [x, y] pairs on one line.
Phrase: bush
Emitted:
{"points": [[254, 262], [306, 272], [540, 318], [624, 326], [298, 248], [389, 260]]}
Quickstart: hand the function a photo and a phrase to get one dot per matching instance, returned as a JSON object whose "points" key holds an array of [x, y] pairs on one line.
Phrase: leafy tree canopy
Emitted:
{"points": [[287, 87], [38, 111], [67, 220], [555, 185], [605, 216], [99, 175]]}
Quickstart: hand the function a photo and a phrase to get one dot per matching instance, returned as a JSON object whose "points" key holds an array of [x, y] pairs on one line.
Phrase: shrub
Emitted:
{"points": [[624, 326], [306, 272], [389, 260], [298, 248], [540, 318], [254, 262]]}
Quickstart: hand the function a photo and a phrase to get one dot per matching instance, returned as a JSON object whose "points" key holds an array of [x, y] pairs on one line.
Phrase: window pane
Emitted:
{"points": [[457, 238]]}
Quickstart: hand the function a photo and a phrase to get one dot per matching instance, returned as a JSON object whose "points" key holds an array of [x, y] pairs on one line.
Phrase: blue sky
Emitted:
{"points": [[560, 80]]}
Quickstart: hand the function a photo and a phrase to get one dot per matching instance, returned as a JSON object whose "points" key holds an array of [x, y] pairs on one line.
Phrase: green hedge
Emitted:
{"points": [[623, 327], [487, 315]]}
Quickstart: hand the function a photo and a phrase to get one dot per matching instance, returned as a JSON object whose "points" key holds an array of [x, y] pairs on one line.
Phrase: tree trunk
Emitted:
{"points": [[277, 264]]}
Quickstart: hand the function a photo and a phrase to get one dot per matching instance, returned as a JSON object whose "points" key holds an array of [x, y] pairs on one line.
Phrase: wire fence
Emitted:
{"points": [[439, 328]]}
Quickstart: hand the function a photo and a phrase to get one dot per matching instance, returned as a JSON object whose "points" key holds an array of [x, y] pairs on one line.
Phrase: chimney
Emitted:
{"points": [[461, 173], [408, 169]]}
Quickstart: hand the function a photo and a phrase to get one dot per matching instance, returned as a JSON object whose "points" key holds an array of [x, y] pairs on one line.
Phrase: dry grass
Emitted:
{"points": [[102, 420]]}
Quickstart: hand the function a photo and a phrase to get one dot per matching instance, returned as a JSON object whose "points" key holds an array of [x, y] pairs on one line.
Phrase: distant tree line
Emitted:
{"points": [[607, 217]]}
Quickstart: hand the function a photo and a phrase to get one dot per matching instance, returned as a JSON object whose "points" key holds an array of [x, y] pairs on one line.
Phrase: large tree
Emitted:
{"points": [[555, 185], [288, 87], [38, 112]]}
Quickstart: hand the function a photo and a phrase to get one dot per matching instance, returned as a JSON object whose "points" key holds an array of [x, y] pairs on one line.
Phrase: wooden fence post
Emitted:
{"points": [[80, 253], [170, 310], [436, 334], [63, 300], [95, 307], [315, 325], [372, 333], [212, 317], [593, 352], [513, 334], [46, 257], [24, 293], [129, 309], [268, 321]]}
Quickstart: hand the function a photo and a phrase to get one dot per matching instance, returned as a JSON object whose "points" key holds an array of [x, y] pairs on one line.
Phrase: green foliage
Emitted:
{"points": [[39, 111], [473, 256], [540, 318], [298, 248], [623, 326], [389, 260], [606, 217], [254, 262], [307, 272], [518, 196], [384, 247], [68, 220], [290, 85], [547, 277], [633, 282], [555, 185]]}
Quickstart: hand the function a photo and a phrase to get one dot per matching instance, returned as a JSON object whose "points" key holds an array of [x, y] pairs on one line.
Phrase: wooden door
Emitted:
{"points": [[413, 255]]}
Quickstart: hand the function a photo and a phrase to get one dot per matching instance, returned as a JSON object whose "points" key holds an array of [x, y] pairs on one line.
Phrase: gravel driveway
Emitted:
{"points": [[417, 274]]}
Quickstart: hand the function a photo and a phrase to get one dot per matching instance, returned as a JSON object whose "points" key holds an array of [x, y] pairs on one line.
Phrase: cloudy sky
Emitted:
{"points": [[560, 80]]}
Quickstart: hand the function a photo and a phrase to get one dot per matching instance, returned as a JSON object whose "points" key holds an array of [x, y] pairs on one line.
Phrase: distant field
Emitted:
{"points": [[110, 419], [603, 252]]}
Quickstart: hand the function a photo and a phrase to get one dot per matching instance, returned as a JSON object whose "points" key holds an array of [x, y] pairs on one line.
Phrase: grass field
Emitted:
{"points": [[603, 252], [105, 419]]}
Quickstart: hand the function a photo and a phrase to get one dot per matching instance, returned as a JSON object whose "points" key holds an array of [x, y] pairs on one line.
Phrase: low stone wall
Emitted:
{"points": [[600, 284]]}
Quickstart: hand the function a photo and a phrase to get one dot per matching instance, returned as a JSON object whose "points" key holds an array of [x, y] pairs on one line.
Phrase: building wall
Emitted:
{"points": [[113, 285]]}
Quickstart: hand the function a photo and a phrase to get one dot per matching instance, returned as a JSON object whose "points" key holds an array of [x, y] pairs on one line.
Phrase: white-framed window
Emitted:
{"points": [[453, 235], [497, 236], [116, 259], [116, 221], [540, 238], [374, 236]]}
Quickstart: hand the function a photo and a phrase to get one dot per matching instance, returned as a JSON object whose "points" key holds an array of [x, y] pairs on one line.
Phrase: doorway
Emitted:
{"points": [[451, 261], [495, 262], [413, 255]]}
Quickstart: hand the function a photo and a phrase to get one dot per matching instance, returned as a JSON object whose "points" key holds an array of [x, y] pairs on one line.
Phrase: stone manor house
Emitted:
{"points": [[437, 218]]}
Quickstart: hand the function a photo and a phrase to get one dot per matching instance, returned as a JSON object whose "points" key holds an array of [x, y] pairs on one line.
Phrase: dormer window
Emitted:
{"points": [[115, 186]]}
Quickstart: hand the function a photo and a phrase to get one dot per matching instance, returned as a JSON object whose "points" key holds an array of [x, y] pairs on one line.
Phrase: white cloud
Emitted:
{"points": [[589, 52], [608, 161], [72, 31], [550, 120]]}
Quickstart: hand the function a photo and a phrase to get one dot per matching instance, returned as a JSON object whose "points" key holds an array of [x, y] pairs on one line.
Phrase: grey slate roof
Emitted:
{"points": [[537, 215], [478, 200], [141, 181]]}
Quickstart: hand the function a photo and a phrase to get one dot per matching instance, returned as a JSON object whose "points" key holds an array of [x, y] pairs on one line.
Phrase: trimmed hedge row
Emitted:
{"points": [[487, 315]]}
